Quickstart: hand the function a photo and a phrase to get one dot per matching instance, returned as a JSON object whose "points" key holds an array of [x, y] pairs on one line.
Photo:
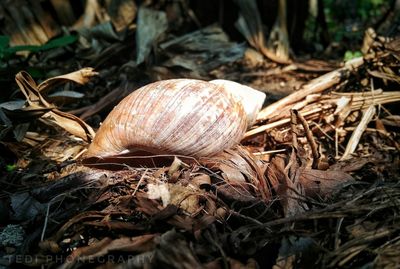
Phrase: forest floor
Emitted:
{"points": [[314, 183]]}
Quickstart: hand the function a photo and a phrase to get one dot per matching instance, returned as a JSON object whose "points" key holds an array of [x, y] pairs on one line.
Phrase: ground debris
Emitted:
{"points": [[314, 184]]}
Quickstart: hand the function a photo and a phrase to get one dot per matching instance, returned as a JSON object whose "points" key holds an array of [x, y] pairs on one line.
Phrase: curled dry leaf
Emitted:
{"points": [[250, 25], [201, 180], [183, 197], [239, 166], [159, 191], [81, 77], [230, 173], [176, 164], [89, 16], [49, 113]]}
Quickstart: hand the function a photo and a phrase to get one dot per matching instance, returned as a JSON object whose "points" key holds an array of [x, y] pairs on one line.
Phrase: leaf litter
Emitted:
{"points": [[315, 182]]}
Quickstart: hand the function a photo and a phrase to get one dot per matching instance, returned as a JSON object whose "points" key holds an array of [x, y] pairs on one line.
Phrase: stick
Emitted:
{"points": [[310, 138], [358, 102], [356, 135], [314, 86]]}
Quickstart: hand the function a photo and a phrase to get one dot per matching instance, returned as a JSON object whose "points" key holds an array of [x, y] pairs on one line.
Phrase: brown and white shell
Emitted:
{"points": [[251, 99], [177, 117]]}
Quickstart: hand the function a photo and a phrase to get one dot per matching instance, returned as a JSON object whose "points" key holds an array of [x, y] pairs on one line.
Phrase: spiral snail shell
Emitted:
{"points": [[251, 99], [177, 117]]}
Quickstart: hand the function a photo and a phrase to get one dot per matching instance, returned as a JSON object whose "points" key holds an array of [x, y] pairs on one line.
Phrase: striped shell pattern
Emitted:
{"points": [[175, 117]]}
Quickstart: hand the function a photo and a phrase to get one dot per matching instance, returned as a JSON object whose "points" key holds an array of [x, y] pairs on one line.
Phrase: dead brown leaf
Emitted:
{"points": [[323, 183], [50, 114], [81, 77], [99, 249]]}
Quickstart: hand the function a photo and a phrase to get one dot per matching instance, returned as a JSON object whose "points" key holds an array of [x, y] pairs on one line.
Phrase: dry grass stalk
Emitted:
{"points": [[317, 85], [356, 135], [328, 103]]}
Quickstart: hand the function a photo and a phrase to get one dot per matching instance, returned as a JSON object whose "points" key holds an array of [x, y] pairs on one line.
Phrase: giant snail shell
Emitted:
{"points": [[177, 117]]}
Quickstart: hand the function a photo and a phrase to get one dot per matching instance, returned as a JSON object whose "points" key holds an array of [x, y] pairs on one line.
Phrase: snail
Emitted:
{"points": [[251, 99], [177, 117]]}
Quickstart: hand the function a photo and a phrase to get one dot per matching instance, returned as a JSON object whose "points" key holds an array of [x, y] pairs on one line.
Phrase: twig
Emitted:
{"points": [[46, 220], [277, 124], [268, 152], [337, 232], [139, 182], [293, 127], [359, 101], [310, 138], [356, 135], [314, 86]]}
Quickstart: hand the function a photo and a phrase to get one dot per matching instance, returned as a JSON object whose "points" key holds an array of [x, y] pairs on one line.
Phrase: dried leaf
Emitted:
{"points": [[179, 256], [185, 197], [89, 16], [12, 105], [385, 76], [159, 191], [176, 164], [201, 180], [151, 24], [230, 173], [25, 207], [76, 219], [239, 165], [104, 32], [380, 127], [70, 123], [20, 131], [122, 13], [351, 165], [107, 245], [250, 25], [235, 192], [202, 57], [323, 183], [48, 112], [81, 77], [63, 97], [284, 178]]}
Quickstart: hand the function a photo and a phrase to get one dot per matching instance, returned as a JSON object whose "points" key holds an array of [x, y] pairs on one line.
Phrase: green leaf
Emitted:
{"points": [[36, 72], [377, 2], [351, 55], [4, 41], [59, 42], [14, 49], [52, 44], [11, 167], [357, 54]]}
